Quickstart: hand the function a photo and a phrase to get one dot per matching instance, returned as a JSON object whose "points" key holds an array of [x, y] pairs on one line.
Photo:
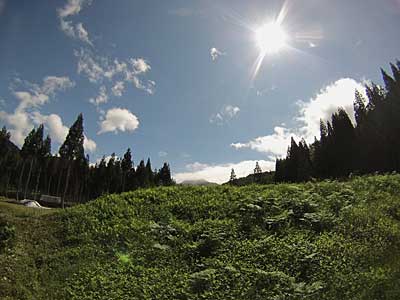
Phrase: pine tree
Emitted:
{"points": [[149, 173], [164, 175], [72, 150], [257, 169], [126, 166], [141, 175], [233, 176]]}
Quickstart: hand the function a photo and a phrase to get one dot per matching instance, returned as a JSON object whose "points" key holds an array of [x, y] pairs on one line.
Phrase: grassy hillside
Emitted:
{"points": [[329, 240]]}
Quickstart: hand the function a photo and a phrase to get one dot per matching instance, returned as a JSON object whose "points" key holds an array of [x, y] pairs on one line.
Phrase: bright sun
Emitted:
{"points": [[271, 38]]}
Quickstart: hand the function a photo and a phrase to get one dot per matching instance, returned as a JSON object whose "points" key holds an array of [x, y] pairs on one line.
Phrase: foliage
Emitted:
{"points": [[34, 171], [326, 240], [371, 145]]}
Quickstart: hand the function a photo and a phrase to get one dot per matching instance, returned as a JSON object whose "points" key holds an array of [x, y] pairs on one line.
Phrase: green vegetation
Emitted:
{"points": [[370, 145], [327, 240], [34, 170]]}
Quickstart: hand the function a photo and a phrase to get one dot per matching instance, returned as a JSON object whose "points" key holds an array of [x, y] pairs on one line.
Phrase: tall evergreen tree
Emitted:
{"points": [[165, 175], [72, 150], [126, 166], [233, 176]]}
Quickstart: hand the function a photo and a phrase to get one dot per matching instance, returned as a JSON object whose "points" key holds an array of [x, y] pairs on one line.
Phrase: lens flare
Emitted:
{"points": [[271, 38]]}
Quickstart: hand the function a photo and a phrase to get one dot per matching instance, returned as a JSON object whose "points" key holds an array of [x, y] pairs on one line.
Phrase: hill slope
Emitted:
{"points": [[329, 240]]}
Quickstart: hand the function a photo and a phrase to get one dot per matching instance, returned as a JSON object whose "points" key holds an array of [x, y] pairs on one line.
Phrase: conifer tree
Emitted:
{"points": [[233, 176], [165, 175], [257, 169], [141, 174], [126, 166], [149, 173], [72, 150]]}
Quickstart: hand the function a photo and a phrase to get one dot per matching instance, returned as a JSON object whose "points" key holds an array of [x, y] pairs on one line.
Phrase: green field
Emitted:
{"points": [[327, 240]]}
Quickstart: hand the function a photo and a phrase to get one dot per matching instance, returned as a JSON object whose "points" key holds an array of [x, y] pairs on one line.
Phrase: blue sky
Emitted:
{"points": [[175, 80]]}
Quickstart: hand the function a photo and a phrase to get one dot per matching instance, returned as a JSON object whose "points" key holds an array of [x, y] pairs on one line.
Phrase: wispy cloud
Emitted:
{"points": [[75, 31], [215, 53], [224, 115], [31, 98], [101, 98], [118, 88], [162, 154], [72, 7], [118, 119], [97, 69]]}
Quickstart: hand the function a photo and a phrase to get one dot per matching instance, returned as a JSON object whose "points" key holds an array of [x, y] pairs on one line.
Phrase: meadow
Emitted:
{"points": [[317, 240]]}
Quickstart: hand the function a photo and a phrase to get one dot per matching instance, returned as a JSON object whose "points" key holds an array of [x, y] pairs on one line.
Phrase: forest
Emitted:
{"points": [[368, 146], [34, 170], [371, 145]]}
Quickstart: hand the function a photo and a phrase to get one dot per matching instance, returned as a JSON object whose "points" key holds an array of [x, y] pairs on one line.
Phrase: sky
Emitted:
{"points": [[187, 82]]}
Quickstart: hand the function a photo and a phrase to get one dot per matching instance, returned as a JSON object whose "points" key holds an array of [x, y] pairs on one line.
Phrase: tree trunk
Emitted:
{"points": [[59, 181], [29, 178], [20, 179], [66, 186], [8, 182], [49, 185], [37, 182]]}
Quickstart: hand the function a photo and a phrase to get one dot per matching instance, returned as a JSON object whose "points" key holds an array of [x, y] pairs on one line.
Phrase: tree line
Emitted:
{"points": [[370, 145], [33, 170]]}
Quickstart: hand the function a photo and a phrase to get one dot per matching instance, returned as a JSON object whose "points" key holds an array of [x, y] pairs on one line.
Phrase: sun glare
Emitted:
{"points": [[271, 38]]}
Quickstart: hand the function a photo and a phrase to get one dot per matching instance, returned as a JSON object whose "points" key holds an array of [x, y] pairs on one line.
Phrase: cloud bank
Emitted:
{"points": [[326, 102], [221, 173]]}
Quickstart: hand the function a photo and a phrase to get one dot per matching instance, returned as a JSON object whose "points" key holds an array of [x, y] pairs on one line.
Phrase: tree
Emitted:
{"points": [[126, 166], [44, 153], [164, 175], [233, 176], [141, 175], [72, 150], [257, 169], [149, 173]]}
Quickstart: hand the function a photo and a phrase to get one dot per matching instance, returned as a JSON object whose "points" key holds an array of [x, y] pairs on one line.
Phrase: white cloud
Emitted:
{"points": [[327, 101], [53, 84], [72, 8], [215, 53], [162, 154], [58, 131], [118, 119], [89, 67], [39, 95], [97, 69], [275, 144], [221, 173], [82, 33], [89, 145], [26, 113], [29, 99], [53, 123], [225, 114], [118, 88], [101, 98], [20, 124], [140, 65]]}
